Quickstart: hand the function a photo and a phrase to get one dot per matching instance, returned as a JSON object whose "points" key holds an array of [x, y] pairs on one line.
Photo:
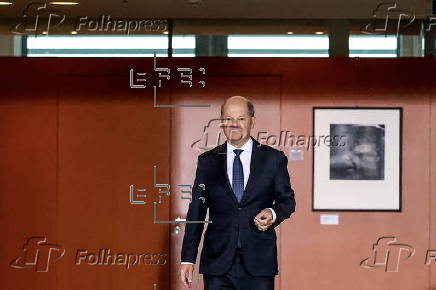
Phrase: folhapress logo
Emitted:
{"points": [[388, 254], [37, 253], [38, 17]]}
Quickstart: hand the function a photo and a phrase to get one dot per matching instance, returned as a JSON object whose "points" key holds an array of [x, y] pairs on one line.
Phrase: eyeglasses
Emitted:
{"points": [[237, 120]]}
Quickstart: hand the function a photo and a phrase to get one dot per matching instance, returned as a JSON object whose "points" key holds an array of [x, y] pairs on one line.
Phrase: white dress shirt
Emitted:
{"points": [[245, 157]]}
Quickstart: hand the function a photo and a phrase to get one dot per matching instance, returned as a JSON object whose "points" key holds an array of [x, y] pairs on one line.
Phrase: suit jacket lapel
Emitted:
{"points": [[256, 167], [222, 160]]}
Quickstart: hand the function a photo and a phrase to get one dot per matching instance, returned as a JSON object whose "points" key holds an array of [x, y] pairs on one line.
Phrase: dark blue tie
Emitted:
{"points": [[238, 179], [238, 175]]}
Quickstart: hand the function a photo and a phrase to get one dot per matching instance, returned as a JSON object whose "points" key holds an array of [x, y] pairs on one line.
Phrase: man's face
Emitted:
{"points": [[237, 123]]}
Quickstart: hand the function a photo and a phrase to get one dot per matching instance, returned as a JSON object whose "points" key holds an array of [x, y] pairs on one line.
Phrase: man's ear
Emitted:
{"points": [[253, 122]]}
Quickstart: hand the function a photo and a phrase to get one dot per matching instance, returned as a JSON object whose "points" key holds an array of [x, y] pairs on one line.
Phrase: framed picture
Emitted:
{"points": [[356, 159]]}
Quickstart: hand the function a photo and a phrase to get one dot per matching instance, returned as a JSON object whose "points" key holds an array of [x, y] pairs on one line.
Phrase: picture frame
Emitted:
{"points": [[357, 159]]}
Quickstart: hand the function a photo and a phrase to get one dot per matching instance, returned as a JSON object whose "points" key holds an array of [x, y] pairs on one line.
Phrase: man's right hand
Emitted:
{"points": [[186, 272]]}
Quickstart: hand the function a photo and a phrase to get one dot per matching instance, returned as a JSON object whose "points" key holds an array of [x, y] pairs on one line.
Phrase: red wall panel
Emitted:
{"points": [[74, 136]]}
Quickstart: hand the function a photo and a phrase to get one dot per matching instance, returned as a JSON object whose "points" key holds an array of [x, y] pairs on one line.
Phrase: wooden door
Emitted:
{"points": [[189, 125], [71, 147]]}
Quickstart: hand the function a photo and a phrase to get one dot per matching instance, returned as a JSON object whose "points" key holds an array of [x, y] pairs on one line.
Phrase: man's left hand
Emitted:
{"points": [[263, 219]]}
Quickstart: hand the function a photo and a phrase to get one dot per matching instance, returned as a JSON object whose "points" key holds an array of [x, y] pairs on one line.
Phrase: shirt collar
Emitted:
{"points": [[247, 147]]}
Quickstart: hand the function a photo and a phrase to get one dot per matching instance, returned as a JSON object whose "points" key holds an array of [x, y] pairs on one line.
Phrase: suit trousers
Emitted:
{"points": [[237, 278]]}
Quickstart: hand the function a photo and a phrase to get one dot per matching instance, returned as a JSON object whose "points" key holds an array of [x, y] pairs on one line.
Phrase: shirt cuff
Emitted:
{"points": [[273, 214], [189, 263]]}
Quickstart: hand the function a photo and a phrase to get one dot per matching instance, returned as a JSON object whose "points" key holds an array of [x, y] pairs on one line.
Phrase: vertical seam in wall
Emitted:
{"points": [[170, 146], [430, 179], [57, 173], [280, 130]]}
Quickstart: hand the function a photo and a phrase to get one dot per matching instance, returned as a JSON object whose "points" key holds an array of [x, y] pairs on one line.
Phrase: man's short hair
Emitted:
{"points": [[250, 107]]}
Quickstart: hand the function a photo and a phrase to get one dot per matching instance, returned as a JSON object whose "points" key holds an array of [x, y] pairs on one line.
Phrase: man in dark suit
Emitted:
{"points": [[246, 187]]}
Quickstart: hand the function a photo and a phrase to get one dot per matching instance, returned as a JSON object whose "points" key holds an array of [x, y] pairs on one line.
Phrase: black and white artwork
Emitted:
{"points": [[359, 168], [362, 156]]}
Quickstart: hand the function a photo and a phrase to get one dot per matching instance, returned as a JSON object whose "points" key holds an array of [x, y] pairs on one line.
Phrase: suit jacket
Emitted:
{"points": [[268, 186]]}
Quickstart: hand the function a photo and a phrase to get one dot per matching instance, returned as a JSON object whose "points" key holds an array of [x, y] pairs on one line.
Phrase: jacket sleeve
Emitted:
{"points": [[284, 204], [196, 212]]}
